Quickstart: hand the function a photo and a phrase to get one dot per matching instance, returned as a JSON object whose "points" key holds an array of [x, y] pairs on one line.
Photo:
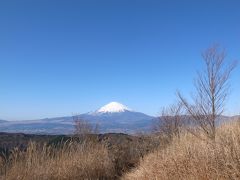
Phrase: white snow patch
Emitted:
{"points": [[113, 107]]}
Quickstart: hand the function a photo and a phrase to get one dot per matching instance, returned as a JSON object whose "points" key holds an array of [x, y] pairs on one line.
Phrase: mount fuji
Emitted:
{"points": [[113, 117], [113, 107]]}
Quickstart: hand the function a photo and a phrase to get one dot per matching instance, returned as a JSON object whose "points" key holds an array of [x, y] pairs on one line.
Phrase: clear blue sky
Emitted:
{"points": [[62, 57]]}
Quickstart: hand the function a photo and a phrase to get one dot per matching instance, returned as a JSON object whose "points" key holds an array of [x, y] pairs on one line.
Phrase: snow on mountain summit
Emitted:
{"points": [[113, 107]]}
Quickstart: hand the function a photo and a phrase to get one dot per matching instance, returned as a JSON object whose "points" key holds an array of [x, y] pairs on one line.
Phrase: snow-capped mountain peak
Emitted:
{"points": [[113, 107]]}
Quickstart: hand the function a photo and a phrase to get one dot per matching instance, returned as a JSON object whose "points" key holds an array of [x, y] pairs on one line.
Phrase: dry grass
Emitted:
{"points": [[186, 157], [191, 158], [72, 161], [2, 163], [128, 154], [104, 157]]}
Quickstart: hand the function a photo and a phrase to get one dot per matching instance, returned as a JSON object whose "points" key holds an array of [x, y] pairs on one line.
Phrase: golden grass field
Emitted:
{"points": [[188, 157], [192, 158], [73, 161]]}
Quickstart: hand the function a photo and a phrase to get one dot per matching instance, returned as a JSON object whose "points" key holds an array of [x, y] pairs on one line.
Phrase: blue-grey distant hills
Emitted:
{"points": [[2, 121], [113, 117]]}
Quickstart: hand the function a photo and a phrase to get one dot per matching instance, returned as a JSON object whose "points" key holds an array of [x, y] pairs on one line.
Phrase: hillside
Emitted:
{"points": [[111, 118], [190, 157]]}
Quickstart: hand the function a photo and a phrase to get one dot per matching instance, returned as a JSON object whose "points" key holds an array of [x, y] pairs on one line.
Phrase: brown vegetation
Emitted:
{"points": [[106, 156], [191, 158], [171, 122], [72, 161]]}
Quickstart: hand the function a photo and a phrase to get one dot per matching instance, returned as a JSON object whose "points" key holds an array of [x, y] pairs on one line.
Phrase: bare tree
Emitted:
{"points": [[212, 89], [83, 127], [171, 121]]}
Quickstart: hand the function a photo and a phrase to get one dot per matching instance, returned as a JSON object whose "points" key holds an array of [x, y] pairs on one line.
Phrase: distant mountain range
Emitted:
{"points": [[113, 117]]}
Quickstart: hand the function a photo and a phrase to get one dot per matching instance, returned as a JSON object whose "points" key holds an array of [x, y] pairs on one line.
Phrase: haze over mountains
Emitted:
{"points": [[113, 117]]}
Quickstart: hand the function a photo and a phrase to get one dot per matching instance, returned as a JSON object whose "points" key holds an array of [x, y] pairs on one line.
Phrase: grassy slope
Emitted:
{"points": [[191, 158]]}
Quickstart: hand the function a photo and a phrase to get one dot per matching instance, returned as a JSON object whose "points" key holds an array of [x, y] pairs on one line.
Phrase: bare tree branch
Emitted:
{"points": [[170, 122], [83, 128], [212, 89]]}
